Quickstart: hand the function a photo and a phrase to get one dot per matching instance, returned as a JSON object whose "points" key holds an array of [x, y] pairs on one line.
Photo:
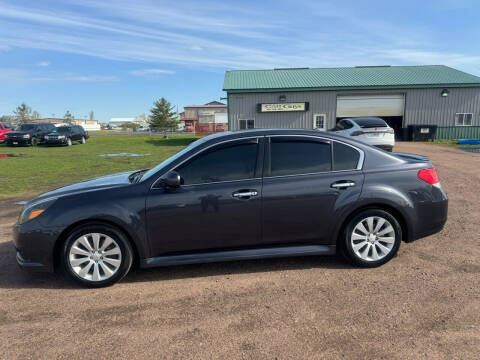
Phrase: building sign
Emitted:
{"points": [[300, 106]]}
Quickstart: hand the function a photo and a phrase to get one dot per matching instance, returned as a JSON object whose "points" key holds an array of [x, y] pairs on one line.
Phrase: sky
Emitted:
{"points": [[116, 57]]}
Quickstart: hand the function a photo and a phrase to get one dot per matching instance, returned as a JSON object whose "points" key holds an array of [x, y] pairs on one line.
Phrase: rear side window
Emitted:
{"points": [[371, 122], [298, 156], [344, 157], [235, 162]]}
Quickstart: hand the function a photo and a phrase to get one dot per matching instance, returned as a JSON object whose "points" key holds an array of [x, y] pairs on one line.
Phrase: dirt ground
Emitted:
{"points": [[425, 303]]}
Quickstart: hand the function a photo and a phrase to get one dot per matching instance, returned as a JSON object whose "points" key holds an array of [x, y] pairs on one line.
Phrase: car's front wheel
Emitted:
{"points": [[97, 255], [371, 238]]}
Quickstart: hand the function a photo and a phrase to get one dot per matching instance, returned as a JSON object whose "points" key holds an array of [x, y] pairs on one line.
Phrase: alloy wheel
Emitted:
{"points": [[95, 257], [373, 238]]}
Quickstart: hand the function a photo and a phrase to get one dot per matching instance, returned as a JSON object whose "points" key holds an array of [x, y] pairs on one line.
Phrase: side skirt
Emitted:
{"points": [[233, 255]]}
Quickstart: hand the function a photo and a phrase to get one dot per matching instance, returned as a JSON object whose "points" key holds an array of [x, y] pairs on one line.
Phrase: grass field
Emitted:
{"points": [[42, 168]]}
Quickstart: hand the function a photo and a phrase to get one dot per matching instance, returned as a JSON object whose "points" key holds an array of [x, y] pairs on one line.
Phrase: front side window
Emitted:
{"points": [[299, 156], [463, 119], [344, 157], [246, 124], [227, 163]]}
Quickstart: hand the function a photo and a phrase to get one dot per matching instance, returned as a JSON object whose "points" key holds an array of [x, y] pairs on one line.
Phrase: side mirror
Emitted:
{"points": [[171, 179]]}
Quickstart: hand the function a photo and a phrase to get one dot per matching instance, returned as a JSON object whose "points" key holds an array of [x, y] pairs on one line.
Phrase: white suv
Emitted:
{"points": [[371, 130]]}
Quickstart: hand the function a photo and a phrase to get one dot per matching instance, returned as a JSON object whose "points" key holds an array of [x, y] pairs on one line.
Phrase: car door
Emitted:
{"points": [[304, 189], [217, 207]]}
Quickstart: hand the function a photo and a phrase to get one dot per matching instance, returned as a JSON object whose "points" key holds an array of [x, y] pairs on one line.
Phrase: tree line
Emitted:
{"points": [[24, 114], [162, 116]]}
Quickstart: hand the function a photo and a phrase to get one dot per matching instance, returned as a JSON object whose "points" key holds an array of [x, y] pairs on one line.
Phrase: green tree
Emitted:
{"points": [[35, 115], [68, 117], [130, 125], [162, 116], [23, 113]]}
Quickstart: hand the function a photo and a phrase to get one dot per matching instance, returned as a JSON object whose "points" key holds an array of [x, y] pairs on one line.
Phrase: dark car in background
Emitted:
{"points": [[245, 195], [66, 135], [28, 134]]}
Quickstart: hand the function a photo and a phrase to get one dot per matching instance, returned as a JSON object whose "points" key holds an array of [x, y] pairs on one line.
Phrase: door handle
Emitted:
{"points": [[244, 194], [342, 184]]}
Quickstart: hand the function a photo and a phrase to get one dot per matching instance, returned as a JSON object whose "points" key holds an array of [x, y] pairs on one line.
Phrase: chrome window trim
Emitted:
{"points": [[258, 137], [359, 164]]}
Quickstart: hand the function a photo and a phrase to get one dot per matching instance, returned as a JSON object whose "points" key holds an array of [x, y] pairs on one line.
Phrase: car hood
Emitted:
{"points": [[19, 133], [57, 134], [100, 183]]}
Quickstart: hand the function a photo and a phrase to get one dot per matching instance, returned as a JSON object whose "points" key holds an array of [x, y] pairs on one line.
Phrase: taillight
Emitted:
{"points": [[391, 131], [429, 175]]}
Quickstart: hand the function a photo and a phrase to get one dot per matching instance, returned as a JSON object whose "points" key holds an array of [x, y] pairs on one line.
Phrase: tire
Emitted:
{"points": [[34, 141], [83, 141], [85, 253], [69, 142], [371, 238]]}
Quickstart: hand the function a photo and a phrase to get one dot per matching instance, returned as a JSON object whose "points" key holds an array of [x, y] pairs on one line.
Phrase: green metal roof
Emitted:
{"points": [[360, 77]]}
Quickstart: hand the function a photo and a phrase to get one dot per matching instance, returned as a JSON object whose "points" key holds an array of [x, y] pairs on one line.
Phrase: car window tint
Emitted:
{"points": [[347, 124], [233, 162], [371, 122], [293, 156], [344, 157]]}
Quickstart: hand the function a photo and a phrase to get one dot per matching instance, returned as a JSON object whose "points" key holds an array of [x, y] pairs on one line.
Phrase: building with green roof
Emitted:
{"points": [[317, 98]]}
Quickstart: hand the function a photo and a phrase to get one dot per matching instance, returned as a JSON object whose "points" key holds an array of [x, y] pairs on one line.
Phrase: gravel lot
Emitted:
{"points": [[425, 303]]}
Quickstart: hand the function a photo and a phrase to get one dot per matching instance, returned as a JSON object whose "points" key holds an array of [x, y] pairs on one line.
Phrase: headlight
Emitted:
{"points": [[26, 136], [61, 137], [35, 209]]}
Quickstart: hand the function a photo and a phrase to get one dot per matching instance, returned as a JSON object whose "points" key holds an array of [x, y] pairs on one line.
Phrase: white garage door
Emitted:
{"points": [[370, 105]]}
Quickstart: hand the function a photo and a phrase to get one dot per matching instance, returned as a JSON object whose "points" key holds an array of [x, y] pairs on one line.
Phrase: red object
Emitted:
{"points": [[3, 131], [429, 175]]}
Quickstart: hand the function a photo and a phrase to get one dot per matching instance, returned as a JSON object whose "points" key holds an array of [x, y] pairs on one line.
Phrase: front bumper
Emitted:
{"points": [[18, 141], [35, 246], [55, 141], [30, 265]]}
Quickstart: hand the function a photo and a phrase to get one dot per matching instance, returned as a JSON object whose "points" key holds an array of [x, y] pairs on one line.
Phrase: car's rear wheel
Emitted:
{"points": [[97, 255], [371, 238]]}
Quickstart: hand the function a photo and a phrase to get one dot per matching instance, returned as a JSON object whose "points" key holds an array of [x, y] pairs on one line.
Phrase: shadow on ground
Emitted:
{"points": [[13, 277]]}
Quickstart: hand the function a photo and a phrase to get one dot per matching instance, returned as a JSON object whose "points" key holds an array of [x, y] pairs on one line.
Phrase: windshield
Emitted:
{"points": [[172, 158], [61, 129], [25, 127]]}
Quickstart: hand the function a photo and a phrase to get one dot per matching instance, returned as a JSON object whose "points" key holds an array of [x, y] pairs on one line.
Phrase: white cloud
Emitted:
{"points": [[43, 63], [24, 76], [229, 35], [145, 72]]}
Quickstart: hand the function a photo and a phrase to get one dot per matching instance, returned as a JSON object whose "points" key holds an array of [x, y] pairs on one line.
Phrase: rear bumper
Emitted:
{"points": [[385, 147], [431, 218]]}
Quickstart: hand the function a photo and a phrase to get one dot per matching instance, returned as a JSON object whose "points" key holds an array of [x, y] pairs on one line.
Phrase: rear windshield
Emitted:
{"points": [[371, 122]]}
